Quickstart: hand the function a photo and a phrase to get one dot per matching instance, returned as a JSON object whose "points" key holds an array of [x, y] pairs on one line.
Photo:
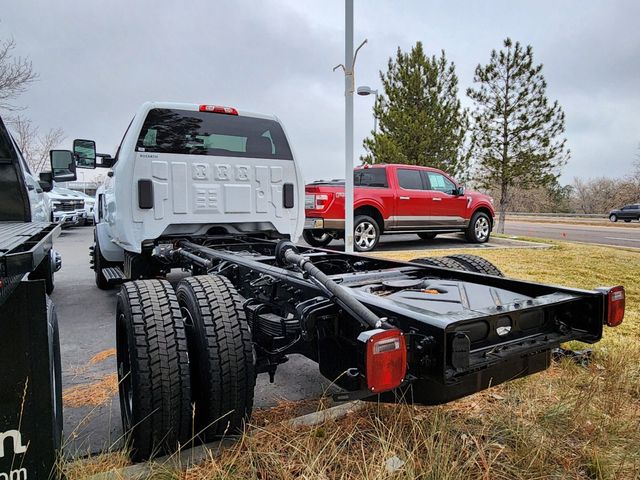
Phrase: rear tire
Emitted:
{"points": [[427, 235], [221, 352], [479, 229], [317, 238], [153, 369], [627, 220], [474, 263], [366, 233]]}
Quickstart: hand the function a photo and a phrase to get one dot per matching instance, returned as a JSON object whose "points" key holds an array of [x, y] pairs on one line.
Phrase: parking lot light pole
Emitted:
{"points": [[364, 91], [349, 86]]}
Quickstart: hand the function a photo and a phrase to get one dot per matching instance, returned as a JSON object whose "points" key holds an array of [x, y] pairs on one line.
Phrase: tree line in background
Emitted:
{"points": [[16, 74], [510, 143]]}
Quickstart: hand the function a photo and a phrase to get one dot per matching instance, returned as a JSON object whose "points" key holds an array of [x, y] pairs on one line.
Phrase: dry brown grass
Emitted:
{"points": [[569, 422], [102, 356], [91, 394]]}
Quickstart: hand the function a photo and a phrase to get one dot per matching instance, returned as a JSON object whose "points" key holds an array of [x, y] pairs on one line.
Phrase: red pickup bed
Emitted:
{"points": [[396, 199]]}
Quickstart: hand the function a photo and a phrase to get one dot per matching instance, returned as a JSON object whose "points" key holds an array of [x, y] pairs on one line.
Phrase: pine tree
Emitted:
{"points": [[516, 130], [420, 118]]}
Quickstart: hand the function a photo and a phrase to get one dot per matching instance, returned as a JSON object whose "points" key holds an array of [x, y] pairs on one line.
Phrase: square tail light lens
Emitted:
{"points": [[386, 359]]}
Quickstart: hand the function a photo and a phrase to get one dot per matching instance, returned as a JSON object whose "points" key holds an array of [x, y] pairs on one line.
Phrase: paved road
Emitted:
{"points": [[616, 236], [86, 317]]}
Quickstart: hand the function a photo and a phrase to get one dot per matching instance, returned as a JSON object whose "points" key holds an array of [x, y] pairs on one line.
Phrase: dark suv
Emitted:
{"points": [[626, 213]]}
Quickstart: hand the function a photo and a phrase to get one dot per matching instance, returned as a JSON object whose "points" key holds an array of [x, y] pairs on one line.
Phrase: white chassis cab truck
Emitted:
{"points": [[218, 193], [188, 170]]}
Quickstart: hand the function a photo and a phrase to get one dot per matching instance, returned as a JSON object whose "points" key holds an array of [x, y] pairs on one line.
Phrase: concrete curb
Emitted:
{"points": [[196, 455]]}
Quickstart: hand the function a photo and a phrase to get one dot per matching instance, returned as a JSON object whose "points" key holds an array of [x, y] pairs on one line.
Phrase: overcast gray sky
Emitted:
{"points": [[99, 60]]}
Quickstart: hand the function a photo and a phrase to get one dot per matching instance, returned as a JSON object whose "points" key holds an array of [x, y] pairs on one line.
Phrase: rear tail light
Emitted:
{"points": [[386, 358], [615, 305], [321, 201], [218, 109]]}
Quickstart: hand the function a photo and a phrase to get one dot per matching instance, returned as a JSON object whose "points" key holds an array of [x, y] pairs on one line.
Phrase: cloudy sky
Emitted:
{"points": [[99, 60]]}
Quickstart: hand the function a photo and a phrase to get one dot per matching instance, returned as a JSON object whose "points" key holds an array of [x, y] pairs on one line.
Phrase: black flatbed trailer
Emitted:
{"points": [[23, 246], [30, 373], [31, 396], [426, 333]]}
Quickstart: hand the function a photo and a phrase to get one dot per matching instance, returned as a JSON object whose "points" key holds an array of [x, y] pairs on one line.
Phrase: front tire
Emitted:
{"points": [[98, 263], [479, 229], [474, 263], [366, 233], [153, 369], [613, 217], [317, 238], [221, 353]]}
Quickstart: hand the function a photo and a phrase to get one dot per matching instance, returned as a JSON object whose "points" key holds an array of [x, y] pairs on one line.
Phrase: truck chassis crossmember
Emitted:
{"points": [[462, 329]]}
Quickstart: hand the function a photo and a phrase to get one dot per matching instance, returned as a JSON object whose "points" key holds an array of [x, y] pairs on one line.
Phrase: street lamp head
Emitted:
{"points": [[364, 90]]}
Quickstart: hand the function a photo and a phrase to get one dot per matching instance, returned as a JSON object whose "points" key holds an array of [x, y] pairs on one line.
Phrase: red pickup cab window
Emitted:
{"points": [[410, 179], [370, 177], [439, 182]]}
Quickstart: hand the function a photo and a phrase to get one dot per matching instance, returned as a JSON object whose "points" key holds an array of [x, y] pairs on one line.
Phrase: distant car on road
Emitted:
{"points": [[626, 213]]}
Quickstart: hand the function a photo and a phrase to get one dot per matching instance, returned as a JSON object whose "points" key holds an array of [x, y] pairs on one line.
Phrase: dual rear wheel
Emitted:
{"points": [[186, 365]]}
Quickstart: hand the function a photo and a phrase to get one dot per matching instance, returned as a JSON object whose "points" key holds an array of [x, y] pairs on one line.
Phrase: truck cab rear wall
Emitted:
{"points": [[192, 183]]}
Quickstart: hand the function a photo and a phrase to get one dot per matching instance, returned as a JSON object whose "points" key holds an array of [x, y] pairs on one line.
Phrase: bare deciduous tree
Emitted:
{"points": [[16, 73], [34, 145]]}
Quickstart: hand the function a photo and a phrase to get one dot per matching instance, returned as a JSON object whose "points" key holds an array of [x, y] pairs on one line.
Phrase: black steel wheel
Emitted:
{"points": [[223, 373], [55, 374], [153, 369], [366, 233], [474, 263], [479, 229], [427, 235], [317, 238]]}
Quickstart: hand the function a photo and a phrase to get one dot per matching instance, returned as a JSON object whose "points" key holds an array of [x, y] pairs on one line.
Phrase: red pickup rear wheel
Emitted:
{"points": [[366, 233]]}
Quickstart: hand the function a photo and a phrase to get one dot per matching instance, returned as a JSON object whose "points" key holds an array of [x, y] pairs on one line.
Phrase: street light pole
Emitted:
{"points": [[349, 86], [348, 126]]}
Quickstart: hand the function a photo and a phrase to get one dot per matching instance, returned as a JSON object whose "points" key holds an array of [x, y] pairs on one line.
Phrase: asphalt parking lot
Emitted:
{"points": [[87, 333]]}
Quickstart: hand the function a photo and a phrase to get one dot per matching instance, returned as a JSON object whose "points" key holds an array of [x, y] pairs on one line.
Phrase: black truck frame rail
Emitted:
{"points": [[463, 331]]}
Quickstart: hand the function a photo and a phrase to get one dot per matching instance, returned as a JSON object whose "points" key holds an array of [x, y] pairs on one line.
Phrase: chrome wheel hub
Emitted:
{"points": [[365, 235], [482, 228]]}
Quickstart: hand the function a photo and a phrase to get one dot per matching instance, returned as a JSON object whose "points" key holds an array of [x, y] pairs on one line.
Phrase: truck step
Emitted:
{"points": [[113, 274]]}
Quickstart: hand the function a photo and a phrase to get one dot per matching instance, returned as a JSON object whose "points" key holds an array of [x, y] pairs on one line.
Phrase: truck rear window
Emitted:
{"points": [[205, 133], [370, 177]]}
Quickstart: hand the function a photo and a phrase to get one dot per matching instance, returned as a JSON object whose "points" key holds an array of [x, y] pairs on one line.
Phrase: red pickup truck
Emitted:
{"points": [[396, 199]]}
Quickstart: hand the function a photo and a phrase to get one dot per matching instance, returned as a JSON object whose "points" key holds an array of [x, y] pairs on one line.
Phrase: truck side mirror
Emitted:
{"points": [[63, 165], [85, 152], [46, 181], [105, 160], [459, 191]]}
